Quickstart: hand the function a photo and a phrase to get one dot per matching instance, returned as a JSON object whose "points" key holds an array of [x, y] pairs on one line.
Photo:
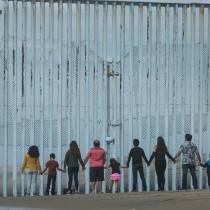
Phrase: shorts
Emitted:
{"points": [[115, 177], [96, 174]]}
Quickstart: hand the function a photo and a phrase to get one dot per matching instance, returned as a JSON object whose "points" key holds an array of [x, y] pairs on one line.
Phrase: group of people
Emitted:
{"points": [[97, 157]]}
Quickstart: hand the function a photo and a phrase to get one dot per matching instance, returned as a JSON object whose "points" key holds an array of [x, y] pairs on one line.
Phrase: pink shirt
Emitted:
{"points": [[97, 157]]}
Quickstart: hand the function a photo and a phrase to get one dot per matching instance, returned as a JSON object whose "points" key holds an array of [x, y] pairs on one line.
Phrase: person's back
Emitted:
{"points": [[96, 155], [136, 154], [188, 150], [52, 166]]}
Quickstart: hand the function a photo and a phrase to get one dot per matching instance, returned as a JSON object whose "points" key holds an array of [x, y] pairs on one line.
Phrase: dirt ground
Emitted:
{"points": [[187, 200]]}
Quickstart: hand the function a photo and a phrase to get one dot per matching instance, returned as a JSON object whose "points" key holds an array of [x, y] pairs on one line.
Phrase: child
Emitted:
{"points": [[52, 166], [207, 165], [115, 176]]}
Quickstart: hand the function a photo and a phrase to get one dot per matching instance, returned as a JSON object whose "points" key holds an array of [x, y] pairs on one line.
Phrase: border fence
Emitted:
{"points": [[81, 70]]}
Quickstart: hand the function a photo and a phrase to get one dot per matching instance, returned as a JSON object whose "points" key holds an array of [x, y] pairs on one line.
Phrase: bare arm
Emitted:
{"points": [[86, 160], [43, 171], [198, 156], [177, 155]]}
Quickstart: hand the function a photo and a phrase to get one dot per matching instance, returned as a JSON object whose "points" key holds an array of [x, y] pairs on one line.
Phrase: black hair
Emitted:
{"points": [[33, 151], [96, 143], [188, 137], [52, 155], [161, 146], [113, 161], [136, 142]]}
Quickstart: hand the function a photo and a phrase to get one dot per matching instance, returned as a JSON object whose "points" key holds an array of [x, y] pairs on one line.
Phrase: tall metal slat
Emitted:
{"points": [[14, 95], [131, 66], [95, 128], [175, 69], [87, 84], [5, 106], [32, 83], [60, 68], [183, 82], [42, 89], [78, 69], [114, 77], [149, 66], [140, 64], [23, 91], [200, 105], [122, 69], [104, 82], [166, 132], [51, 71], [157, 76]]}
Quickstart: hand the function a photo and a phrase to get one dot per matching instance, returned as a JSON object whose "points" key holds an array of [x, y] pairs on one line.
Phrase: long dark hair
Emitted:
{"points": [[113, 162], [33, 151], [74, 149], [161, 146]]}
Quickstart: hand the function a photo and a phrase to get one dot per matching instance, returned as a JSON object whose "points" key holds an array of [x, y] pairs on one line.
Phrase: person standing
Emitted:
{"points": [[188, 150], [52, 166], [136, 153], [72, 157], [32, 165], [207, 165], [97, 158], [159, 152]]}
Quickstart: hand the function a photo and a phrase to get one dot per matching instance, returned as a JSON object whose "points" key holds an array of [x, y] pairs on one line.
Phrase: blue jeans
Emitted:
{"points": [[185, 168], [31, 181]]}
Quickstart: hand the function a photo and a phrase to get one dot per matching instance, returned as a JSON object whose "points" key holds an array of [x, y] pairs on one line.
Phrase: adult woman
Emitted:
{"points": [[72, 157], [159, 152], [32, 165]]}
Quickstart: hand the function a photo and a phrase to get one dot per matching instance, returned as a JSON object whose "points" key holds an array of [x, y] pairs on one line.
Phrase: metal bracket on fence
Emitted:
{"points": [[115, 124]]}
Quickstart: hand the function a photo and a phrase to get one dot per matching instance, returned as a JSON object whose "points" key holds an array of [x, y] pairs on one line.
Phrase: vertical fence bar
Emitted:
{"points": [[157, 98], [183, 82], [114, 77], [192, 93], [122, 69], [95, 129], [51, 58], [192, 74], [42, 89], [78, 68], [167, 35], [208, 103], [6, 63], [14, 176], [201, 72], [104, 79], [60, 56], [140, 63], [131, 61], [149, 61], [175, 52], [23, 92], [32, 86], [87, 83], [69, 63]]}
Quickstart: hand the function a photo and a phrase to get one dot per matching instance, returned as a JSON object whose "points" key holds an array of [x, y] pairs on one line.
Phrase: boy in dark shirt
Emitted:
{"points": [[207, 165], [52, 166], [136, 153]]}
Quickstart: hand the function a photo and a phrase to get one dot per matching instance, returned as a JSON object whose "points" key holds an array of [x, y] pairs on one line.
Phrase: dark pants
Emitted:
{"points": [[73, 171], [138, 168], [208, 175], [160, 167], [49, 179], [185, 168]]}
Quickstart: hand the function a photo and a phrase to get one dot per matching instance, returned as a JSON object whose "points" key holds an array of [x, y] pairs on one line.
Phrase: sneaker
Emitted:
{"points": [[69, 192], [27, 194], [77, 192]]}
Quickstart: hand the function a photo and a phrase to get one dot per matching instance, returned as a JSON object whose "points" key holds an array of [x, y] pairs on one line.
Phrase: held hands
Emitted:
{"points": [[83, 168]]}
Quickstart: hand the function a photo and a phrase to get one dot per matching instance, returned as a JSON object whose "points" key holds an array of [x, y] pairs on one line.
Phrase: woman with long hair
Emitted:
{"points": [[72, 159], [32, 165], [159, 152]]}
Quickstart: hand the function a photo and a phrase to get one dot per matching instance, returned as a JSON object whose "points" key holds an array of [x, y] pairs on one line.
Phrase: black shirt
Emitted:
{"points": [[136, 154]]}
